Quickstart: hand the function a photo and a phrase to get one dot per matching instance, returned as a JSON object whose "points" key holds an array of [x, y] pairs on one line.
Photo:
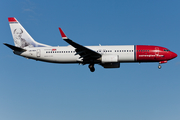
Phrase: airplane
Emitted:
{"points": [[106, 56]]}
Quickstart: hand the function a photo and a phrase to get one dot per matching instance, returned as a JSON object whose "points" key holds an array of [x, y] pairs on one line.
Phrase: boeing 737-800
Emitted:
{"points": [[106, 56]]}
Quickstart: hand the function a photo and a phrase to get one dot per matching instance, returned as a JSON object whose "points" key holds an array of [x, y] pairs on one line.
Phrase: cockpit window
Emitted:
{"points": [[166, 50]]}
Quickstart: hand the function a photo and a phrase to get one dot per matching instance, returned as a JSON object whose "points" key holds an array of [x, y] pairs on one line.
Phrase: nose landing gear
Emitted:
{"points": [[160, 62], [91, 67], [159, 66]]}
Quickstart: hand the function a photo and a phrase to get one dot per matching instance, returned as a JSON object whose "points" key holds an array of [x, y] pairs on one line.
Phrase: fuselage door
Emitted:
{"points": [[156, 52], [38, 52]]}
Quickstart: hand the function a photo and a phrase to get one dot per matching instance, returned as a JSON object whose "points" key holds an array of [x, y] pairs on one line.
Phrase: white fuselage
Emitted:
{"points": [[67, 54]]}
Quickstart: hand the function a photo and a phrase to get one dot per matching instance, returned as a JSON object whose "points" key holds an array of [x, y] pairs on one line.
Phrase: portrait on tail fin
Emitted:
{"points": [[19, 41], [21, 37]]}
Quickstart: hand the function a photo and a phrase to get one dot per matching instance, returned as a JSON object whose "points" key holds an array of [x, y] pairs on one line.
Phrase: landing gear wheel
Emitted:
{"points": [[159, 66], [91, 67]]}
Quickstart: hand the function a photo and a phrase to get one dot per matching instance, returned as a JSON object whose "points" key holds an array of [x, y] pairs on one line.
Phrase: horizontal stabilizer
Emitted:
{"points": [[14, 47]]}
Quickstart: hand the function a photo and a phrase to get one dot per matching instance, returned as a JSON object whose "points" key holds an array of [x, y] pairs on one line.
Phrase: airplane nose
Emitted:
{"points": [[174, 55]]}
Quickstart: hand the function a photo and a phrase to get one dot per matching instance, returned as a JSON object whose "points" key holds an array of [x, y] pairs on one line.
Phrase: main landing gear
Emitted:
{"points": [[91, 67]]}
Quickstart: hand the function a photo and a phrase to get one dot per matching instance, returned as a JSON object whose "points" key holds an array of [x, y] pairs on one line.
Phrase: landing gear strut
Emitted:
{"points": [[159, 66], [91, 67]]}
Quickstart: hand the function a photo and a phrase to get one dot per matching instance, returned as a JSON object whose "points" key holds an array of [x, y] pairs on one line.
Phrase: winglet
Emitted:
{"points": [[12, 19], [62, 34]]}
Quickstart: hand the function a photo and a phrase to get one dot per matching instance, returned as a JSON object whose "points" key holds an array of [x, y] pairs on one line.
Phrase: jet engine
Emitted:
{"points": [[110, 61]]}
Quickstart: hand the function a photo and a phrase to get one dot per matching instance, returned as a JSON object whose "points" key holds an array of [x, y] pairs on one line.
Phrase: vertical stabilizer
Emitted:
{"points": [[21, 37]]}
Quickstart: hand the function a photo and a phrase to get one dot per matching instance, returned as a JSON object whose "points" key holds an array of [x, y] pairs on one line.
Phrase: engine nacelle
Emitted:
{"points": [[109, 58], [111, 65], [110, 61]]}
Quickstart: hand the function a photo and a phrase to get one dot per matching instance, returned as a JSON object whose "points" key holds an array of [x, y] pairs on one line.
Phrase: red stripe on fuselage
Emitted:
{"points": [[150, 53]]}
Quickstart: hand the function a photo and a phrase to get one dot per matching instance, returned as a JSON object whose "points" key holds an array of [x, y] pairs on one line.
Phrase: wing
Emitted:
{"points": [[85, 53]]}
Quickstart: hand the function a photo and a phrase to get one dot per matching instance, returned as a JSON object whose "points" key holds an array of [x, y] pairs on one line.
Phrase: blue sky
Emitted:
{"points": [[33, 90]]}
